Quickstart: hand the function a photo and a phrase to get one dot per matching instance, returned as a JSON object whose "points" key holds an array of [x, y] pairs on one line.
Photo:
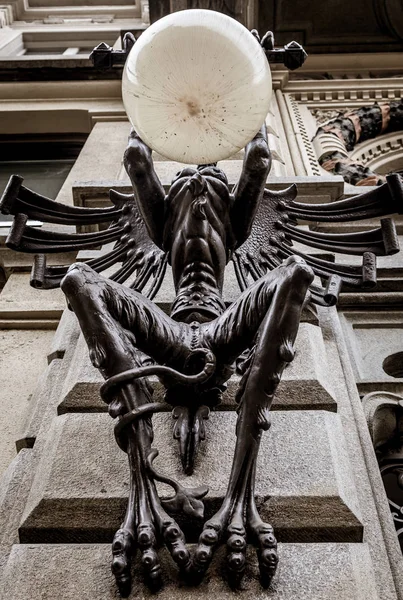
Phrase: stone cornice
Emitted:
{"points": [[341, 92], [351, 65]]}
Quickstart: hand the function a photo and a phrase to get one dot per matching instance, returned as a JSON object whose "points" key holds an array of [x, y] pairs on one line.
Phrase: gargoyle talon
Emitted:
{"points": [[203, 554], [149, 558], [175, 541], [122, 551], [266, 545], [236, 558]]}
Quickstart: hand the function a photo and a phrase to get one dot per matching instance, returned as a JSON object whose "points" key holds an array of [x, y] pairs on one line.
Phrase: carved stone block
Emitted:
{"points": [[304, 485], [306, 383], [20, 302], [314, 571], [373, 339]]}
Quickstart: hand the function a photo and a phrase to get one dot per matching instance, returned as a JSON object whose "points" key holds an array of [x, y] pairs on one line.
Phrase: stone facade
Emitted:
{"points": [[63, 495]]}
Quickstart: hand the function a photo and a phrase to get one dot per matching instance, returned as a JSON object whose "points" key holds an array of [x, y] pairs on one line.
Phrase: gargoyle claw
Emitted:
{"points": [[122, 551], [149, 558], [267, 553], [236, 555], [235, 533]]}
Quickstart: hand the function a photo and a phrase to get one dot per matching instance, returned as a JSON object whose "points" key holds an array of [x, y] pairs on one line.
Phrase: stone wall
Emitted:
{"points": [[318, 482]]}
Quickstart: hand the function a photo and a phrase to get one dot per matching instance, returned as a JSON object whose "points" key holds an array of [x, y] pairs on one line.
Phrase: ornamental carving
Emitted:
{"points": [[351, 128]]}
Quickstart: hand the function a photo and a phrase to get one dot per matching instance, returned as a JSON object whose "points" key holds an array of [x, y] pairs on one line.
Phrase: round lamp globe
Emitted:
{"points": [[197, 86]]}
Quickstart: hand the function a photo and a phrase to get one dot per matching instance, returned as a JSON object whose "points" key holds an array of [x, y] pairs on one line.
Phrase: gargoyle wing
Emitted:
{"points": [[134, 254], [276, 229]]}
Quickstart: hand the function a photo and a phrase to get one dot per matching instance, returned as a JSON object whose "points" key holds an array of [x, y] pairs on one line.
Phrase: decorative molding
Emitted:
{"points": [[335, 141], [330, 98], [6, 15], [380, 151], [326, 99], [341, 94], [322, 116], [24, 12], [326, 144], [305, 147]]}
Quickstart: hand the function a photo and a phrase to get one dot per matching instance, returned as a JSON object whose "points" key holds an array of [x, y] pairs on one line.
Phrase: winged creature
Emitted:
{"points": [[197, 227]]}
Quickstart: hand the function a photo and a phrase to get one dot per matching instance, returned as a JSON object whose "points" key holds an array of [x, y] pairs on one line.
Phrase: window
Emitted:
{"points": [[44, 163], [54, 43]]}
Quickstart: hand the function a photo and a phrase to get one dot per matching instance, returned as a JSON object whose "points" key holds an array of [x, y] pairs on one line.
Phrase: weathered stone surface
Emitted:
{"points": [[306, 383], [80, 391], [306, 572], [371, 338], [310, 188], [66, 336], [304, 485], [378, 525], [43, 400], [46, 396], [22, 359], [14, 487], [20, 302]]}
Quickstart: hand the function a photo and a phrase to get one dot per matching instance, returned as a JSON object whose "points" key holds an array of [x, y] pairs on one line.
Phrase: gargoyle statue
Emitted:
{"points": [[197, 227]]}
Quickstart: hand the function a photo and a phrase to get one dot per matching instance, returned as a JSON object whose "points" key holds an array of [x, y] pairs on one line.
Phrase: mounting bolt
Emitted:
{"points": [[291, 56]]}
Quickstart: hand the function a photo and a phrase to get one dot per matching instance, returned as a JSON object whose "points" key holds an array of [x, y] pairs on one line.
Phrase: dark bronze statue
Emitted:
{"points": [[197, 227], [199, 224]]}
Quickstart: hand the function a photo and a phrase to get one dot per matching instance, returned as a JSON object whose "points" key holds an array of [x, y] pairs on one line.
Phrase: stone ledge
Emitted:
{"points": [[96, 193], [15, 483], [19, 302], [306, 572], [304, 484], [306, 383]]}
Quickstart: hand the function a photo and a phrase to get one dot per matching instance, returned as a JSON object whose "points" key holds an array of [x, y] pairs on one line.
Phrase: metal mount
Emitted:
{"points": [[292, 55]]}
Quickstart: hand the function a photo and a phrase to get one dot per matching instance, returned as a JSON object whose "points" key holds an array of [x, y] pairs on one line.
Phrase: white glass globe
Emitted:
{"points": [[197, 86]]}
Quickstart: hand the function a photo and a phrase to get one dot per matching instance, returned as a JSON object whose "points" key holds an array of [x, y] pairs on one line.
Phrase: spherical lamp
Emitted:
{"points": [[197, 86]]}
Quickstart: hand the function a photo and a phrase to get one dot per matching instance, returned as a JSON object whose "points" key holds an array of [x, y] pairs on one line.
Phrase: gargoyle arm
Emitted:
{"points": [[249, 189], [147, 187]]}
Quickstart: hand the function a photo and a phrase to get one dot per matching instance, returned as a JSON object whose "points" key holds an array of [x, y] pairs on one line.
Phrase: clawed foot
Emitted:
{"points": [[234, 525], [236, 534], [236, 553], [194, 568]]}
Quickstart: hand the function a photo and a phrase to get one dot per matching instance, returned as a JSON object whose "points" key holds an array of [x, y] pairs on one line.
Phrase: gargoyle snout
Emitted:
{"points": [[197, 184]]}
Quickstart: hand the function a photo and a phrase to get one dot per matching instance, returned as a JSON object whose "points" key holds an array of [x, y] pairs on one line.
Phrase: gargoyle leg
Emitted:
{"points": [[123, 545], [263, 536], [105, 318], [273, 350], [117, 322]]}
